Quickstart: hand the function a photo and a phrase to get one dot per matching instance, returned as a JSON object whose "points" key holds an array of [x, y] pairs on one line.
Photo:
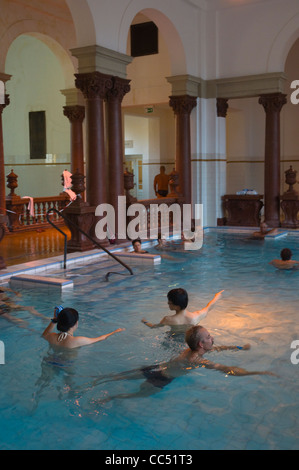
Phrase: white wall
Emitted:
{"points": [[247, 36], [35, 85]]}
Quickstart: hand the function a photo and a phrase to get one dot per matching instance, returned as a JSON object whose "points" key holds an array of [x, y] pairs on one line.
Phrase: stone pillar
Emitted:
{"points": [[115, 143], [272, 104], [2, 182], [2, 171], [76, 115], [81, 215], [94, 87], [182, 107]]}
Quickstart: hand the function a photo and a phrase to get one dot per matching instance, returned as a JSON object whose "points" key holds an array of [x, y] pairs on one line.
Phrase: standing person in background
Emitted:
{"points": [[161, 183]]}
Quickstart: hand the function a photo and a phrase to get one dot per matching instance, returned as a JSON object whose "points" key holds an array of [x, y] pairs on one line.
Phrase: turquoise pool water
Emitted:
{"points": [[50, 401]]}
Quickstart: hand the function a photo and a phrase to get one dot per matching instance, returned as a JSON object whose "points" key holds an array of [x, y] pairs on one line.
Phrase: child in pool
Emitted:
{"points": [[177, 302]]}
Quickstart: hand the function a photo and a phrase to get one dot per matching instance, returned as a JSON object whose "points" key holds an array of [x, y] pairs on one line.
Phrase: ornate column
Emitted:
{"points": [[115, 142], [94, 87], [272, 104], [2, 171], [2, 181], [76, 115], [82, 215], [182, 107]]}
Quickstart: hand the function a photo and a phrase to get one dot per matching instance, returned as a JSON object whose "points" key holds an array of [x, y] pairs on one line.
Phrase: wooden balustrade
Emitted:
{"points": [[147, 203], [20, 218]]}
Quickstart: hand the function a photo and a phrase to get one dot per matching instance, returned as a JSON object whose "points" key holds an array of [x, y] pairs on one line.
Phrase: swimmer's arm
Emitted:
{"points": [[7, 289], [201, 314], [245, 347], [155, 184], [48, 330], [153, 325], [232, 370], [84, 341]]}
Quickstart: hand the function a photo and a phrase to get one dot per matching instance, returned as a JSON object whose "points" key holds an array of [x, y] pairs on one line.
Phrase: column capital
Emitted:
{"points": [[185, 85], [273, 102], [182, 104], [100, 59], [73, 97], [119, 89], [74, 113], [93, 85]]}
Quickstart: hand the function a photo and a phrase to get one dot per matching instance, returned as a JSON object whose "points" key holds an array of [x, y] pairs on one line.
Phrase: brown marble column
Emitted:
{"points": [[76, 115], [94, 87], [272, 104], [115, 142], [3, 227], [182, 107], [2, 171]]}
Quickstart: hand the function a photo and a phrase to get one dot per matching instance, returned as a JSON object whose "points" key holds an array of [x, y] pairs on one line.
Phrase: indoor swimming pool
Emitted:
{"points": [[72, 400]]}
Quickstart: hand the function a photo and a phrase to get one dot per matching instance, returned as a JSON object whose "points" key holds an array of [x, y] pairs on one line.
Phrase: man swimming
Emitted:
{"points": [[178, 302], [285, 262], [200, 342], [264, 230]]}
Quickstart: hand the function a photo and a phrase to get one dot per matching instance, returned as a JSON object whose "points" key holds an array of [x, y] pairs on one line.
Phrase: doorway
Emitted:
{"points": [[134, 165]]}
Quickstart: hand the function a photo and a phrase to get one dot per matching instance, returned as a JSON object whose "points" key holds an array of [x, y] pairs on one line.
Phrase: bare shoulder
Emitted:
{"points": [[168, 320]]}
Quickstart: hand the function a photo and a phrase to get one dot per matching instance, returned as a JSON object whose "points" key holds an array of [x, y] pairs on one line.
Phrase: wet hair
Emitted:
{"points": [[67, 318], [286, 254], [136, 240], [193, 336], [178, 297]]}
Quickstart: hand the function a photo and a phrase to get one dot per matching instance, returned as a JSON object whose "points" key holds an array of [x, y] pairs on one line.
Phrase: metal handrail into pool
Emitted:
{"points": [[53, 209]]}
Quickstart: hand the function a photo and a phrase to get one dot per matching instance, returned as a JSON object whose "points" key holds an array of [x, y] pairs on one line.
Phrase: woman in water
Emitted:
{"points": [[67, 323]]}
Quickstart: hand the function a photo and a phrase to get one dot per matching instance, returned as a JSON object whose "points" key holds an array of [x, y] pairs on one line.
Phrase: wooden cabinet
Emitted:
{"points": [[242, 210]]}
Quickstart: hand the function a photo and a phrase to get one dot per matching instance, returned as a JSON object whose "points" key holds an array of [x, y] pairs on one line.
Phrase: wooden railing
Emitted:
{"points": [[21, 218], [147, 203]]}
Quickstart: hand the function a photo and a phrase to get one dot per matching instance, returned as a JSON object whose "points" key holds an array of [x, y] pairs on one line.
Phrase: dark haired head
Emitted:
{"points": [[178, 297], [286, 254], [136, 240], [67, 318]]}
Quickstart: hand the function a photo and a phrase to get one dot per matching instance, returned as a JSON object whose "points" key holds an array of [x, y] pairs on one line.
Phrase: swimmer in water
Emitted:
{"points": [[285, 262], [137, 246], [157, 376], [67, 323], [264, 230], [201, 342], [8, 307], [177, 302]]}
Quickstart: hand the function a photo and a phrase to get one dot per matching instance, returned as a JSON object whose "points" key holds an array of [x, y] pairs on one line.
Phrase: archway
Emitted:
{"points": [[282, 45], [149, 121]]}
